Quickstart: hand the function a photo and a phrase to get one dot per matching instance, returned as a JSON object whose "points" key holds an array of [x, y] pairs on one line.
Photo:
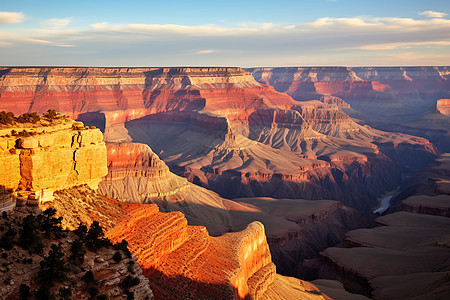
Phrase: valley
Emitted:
{"points": [[227, 181]]}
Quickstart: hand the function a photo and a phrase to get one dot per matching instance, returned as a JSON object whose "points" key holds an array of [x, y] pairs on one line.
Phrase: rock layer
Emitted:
{"points": [[184, 261], [51, 157], [220, 128]]}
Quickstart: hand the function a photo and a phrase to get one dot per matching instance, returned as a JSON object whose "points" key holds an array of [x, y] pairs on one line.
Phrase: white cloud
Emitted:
{"points": [[406, 45], [11, 17], [45, 42], [205, 51], [325, 40], [432, 14], [56, 23]]}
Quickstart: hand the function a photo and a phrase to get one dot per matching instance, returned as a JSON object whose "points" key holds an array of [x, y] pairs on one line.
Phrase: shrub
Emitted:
{"points": [[77, 251], [53, 267], [6, 241], [51, 114], [29, 118], [129, 282], [88, 277], [28, 237], [117, 256], [6, 117], [24, 292], [81, 231], [48, 223], [124, 247]]}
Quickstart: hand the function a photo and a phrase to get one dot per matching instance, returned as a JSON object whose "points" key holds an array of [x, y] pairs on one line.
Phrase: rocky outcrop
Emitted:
{"points": [[297, 229], [137, 175], [184, 261], [38, 159], [20, 266], [389, 98], [408, 246], [214, 127], [443, 106]]}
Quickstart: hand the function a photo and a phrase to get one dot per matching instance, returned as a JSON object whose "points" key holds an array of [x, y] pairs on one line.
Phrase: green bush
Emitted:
{"points": [[77, 251], [24, 292], [53, 267], [6, 117]]}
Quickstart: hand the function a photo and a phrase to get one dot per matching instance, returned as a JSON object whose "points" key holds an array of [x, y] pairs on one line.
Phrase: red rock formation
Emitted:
{"points": [[137, 175], [208, 124], [184, 261], [443, 106]]}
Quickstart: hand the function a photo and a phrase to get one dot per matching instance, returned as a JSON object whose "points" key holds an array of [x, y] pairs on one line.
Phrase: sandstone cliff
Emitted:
{"points": [[384, 97], [41, 158], [137, 175], [443, 106], [220, 128], [184, 261]]}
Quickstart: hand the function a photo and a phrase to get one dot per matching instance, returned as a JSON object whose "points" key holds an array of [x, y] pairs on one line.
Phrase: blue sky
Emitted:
{"points": [[225, 33]]}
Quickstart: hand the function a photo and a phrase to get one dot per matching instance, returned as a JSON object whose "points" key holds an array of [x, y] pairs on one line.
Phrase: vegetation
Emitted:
{"points": [[48, 223], [77, 252], [8, 118], [57, 268]]}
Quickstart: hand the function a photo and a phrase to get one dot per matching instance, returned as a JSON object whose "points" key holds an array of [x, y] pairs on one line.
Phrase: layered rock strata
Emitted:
{"points": [[184, 261], [390, 98], [38, 159], [408, 246], [220, 128], [137, 175]]}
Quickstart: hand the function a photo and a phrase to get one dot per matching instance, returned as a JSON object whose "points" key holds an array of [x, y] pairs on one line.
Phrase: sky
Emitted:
{"points": [[225, 33]]}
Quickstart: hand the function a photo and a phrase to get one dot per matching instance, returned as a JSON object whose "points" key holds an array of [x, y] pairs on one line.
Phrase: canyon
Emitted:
{"points": [[411, 100], [410, 244], [223, 130], [268, 166]]}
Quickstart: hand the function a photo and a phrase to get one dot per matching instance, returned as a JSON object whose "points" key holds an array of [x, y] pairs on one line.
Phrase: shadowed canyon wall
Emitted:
{"points": [[223, 130], [389, 98]]}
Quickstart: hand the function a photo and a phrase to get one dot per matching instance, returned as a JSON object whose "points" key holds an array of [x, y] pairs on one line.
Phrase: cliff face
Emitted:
{"points": [[137, 175], [220, 128], [77, 90], [406, 246], [443, 106], [184, 261], [390, 98], [50, 158]]}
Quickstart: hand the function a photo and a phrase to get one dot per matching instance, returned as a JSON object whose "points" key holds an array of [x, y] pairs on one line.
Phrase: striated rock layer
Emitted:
{"points": [[183, 261], [221, 129], [408, 246], [137, 175], [390, 98], [50, 157]]}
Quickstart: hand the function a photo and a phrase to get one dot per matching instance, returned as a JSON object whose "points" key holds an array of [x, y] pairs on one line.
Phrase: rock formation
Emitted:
{"points": [[443, 106], [407, 246], [20, 266], [213, 126], [184, 261], [37, 159], [389, 98], [137, 175]]}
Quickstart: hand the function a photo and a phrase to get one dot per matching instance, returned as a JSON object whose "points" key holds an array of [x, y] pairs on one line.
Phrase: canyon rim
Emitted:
{"points": [[229, 150]]}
